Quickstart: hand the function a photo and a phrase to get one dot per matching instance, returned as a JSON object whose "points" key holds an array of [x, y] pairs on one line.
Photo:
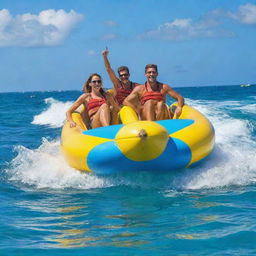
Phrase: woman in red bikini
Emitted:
{"points": [[99, 106], [149, 99], [122, 85]]}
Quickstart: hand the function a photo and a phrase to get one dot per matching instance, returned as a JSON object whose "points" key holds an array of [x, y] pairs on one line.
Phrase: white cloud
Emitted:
{"points": [[5, 18], [185, 29], [246, 14], [210, 25], [48, 28]]}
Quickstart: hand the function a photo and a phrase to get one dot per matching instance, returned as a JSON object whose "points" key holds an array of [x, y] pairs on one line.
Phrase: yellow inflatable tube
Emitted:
{"points": [[136, 145], [199, 136]]}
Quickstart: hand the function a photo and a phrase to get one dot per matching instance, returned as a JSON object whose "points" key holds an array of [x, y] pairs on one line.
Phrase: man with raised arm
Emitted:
{"points": [[149, 99], [122, 85]]}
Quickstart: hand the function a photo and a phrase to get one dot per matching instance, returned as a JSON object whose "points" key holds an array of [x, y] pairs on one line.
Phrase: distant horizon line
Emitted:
{"points": [[111, 88]]}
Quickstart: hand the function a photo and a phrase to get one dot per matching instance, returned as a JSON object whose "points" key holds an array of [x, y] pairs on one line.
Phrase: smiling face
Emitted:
{"points": [[96, 83], [124, 76], [151, 74]]}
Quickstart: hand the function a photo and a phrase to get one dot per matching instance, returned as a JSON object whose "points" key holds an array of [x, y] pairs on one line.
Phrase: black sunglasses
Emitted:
{"points": [[123, 74], [96, 81]]}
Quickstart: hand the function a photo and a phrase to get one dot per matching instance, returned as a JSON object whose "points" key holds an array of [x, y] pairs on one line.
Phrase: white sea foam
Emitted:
{"points": [[249, 108], [233, 161], [54, 115], [45, 167]]}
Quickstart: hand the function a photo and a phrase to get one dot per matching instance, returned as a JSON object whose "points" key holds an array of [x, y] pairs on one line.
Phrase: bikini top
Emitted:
{"points": [[95, 103], [152, 95]]}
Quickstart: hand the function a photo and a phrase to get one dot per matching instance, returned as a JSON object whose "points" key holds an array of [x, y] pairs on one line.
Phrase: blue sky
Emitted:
{"points": [[56, 45]]}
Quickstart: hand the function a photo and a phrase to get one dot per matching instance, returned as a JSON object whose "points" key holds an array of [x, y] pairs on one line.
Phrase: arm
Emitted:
{"points": [[136, 84], [176, 96], [74, 106], [110, 71], [132, 100]]}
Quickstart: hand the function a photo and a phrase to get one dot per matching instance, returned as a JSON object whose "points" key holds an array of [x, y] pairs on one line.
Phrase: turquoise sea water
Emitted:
{"points": [[48, 208]]}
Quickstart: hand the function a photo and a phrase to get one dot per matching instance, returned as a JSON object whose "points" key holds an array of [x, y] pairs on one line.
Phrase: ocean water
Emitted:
{"points": [[49, 208]]}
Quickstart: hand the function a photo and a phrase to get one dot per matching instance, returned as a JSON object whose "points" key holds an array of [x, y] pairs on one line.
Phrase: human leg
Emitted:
{"points": [[102, 116], [149, 110], [114, 114], [162, 111]]}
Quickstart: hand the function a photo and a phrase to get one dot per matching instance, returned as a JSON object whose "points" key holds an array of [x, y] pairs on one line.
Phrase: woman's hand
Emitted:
{"points": [[72, 124]]}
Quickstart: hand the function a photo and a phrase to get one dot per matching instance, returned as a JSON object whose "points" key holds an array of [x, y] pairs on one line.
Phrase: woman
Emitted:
{"points": [[99, 106]]}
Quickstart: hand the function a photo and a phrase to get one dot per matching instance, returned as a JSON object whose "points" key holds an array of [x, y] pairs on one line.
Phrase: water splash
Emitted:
{"points": [[249, 108], [45, 167], [233, 161], [54, 115]]}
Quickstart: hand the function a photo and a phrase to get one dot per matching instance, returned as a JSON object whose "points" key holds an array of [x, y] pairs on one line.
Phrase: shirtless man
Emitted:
{"points": [[149, 99], [122, 85]]}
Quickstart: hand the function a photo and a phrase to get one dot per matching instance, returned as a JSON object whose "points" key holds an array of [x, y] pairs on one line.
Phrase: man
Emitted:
{"points": [[122, 85], [149, 99]]}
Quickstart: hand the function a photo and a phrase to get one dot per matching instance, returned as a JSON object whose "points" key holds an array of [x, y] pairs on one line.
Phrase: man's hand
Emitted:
{"points": [[105, 52], [178, 111]]}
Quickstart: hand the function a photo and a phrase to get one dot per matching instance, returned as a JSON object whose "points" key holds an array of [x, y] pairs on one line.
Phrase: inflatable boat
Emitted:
{"points": [[135, 145]]}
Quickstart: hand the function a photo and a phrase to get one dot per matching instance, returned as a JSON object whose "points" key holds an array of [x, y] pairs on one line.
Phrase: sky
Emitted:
{"points": [[48, 45]]}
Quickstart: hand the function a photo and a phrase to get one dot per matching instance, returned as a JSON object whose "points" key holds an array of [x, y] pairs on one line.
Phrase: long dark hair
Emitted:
{"points": [[88, 89]]}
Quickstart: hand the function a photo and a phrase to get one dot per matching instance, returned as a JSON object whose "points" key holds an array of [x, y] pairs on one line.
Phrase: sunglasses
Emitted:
{"points": [[96, 81], [121, 75]]}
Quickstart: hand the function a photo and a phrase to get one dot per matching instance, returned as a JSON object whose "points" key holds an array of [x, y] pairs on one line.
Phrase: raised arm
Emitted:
{"points": [[110, 71], [74, 106], [177, 97]]}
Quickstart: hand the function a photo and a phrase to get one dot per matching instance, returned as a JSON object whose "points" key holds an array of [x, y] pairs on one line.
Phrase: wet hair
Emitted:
{"points": [[88, 89], [151, 66], [123, 68]]}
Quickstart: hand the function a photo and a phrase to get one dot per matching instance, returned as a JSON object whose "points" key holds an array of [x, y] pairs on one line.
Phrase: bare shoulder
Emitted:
{"points": [[167, 88], [138, 88], [136, 84], [84, 97]]}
